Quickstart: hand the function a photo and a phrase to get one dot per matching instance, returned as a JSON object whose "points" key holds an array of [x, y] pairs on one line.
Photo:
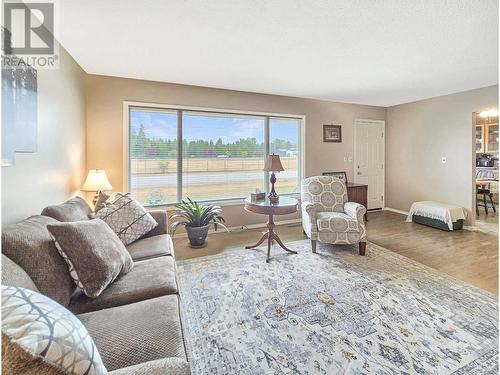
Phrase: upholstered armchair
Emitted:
{"points": [[327, 216]]}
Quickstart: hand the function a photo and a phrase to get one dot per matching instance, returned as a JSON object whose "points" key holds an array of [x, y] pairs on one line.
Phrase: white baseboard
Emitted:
{"points": [[470, 228], [394, 210], [243, 227]]}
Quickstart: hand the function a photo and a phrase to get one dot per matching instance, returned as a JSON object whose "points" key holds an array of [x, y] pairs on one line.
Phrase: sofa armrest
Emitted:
{"points": [[355, 210], [164, 366], [309, 220], [161, 218]]}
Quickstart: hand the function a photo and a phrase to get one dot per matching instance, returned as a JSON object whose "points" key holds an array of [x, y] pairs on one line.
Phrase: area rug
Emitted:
{"points": [[333, 312]]}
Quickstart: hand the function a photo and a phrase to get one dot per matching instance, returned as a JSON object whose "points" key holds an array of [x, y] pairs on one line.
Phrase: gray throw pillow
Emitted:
{"points": [[94, 254], [128, 218], [75, 209], [29, 244]]}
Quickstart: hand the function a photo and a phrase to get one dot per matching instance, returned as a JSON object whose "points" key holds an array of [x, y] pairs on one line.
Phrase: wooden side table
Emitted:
{"points": [[286, 205]]}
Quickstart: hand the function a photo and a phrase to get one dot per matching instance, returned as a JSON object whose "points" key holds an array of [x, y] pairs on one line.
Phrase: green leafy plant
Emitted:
{"points": [[193, 214]]}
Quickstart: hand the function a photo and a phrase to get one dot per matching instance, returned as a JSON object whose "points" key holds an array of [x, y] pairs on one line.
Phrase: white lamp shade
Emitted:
{"points": [[96, 181]]}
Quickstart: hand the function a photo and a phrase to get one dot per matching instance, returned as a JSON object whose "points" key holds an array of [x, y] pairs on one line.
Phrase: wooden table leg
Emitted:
{"points": [[271, 236], [264, 236]]}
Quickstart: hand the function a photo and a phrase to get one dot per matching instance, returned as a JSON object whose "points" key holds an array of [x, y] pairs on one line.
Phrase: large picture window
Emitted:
{"points": [[208, 156]]}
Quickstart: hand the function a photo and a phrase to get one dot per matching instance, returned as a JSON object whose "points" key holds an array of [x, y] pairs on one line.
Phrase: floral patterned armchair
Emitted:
{"points": [[327, 216]]}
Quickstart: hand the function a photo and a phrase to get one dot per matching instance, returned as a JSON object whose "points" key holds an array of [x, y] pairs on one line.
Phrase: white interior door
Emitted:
{"points": [[369, 158]]}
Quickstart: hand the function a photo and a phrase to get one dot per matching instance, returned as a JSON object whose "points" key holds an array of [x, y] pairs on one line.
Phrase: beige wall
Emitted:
{"points": [[55, 171], [419, 134], [105, 97]]}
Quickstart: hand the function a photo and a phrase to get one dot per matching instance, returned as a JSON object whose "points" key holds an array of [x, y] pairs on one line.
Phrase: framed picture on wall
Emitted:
{"points": [[340, 175], [332, 133]]}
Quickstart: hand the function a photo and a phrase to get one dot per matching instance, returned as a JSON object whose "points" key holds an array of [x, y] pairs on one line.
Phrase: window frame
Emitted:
{"points": [[179, 109]]}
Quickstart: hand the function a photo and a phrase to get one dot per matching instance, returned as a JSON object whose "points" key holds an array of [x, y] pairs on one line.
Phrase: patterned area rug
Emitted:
{"points": [[334, 312]]}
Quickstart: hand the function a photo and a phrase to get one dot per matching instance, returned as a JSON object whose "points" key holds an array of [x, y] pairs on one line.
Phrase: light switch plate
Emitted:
{"points": [[350, 159], [345, 159], [443, 159]]}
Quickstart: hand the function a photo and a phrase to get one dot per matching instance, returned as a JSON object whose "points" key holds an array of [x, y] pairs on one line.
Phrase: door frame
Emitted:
{"points": [[357, 121]]}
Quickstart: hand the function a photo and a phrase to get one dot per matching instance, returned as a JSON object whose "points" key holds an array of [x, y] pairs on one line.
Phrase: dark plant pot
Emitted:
{"points": [[197, 235]]}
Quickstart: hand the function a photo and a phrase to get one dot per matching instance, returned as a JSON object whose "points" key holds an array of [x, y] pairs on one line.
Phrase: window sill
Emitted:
{"points": [[222, 203]]}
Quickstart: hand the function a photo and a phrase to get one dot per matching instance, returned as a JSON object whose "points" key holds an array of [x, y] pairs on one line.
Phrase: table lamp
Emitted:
{"points": [[273, 164], [96, 181]]}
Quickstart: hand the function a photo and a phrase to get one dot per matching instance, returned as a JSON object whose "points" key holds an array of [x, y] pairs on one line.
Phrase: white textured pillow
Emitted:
{"points": [[128, 218], [47, 330]]}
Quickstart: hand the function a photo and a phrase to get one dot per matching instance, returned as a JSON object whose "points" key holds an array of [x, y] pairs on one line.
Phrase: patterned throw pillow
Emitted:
{"points": [[128, 218], [39, 336]]}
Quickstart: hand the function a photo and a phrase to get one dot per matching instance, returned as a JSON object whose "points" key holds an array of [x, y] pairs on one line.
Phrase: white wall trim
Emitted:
{"points": [[395, 210], [127, 104], [381, 122]]}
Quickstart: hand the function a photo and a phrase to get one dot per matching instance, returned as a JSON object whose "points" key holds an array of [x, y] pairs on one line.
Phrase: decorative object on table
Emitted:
{"points": [[340, 175], [93, 252], [327, 215], [96, 181], [19, 111], [128, 218], [438, 215], [287, 205], [332, 133], [273, 164], [197, 219], [258, 195], [39, 336]]}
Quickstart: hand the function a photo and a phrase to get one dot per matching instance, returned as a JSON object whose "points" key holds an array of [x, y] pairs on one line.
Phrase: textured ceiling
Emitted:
{"points": [[378, 52]]}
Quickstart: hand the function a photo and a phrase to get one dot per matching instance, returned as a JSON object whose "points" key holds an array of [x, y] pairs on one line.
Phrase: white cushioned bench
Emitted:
{"points": [[437, 215]]}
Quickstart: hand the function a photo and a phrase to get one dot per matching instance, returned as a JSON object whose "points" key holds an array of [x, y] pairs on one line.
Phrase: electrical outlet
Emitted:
{"points": [[345, 159], [443, 159]]}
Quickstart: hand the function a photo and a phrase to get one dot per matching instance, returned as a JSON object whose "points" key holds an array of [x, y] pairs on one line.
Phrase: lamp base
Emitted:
{"points": [[273, 196]]}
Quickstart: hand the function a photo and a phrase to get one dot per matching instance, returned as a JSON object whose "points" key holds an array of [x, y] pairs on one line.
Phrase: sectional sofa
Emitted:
{"points": [[135, 323]]}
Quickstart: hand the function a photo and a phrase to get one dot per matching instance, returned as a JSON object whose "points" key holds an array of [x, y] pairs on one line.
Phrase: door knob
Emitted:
{"points": [[359, 173]]}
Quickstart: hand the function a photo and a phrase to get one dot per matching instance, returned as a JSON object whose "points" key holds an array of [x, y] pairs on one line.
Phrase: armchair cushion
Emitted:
{"points": [[336, 222], [326, 192]]}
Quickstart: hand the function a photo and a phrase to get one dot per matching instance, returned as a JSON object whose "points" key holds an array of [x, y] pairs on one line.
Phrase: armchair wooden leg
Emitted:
{"points": [[362, 248], [313, 246]]}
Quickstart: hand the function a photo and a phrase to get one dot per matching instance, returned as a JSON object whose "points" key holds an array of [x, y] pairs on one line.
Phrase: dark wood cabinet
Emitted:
{"points": [[358, 193]]}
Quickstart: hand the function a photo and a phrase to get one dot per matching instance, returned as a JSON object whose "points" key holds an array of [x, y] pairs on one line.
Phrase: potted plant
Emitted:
{"points": [[197, 219]]}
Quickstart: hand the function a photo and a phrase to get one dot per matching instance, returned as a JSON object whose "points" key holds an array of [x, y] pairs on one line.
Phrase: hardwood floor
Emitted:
{"points": [[468, 256]]}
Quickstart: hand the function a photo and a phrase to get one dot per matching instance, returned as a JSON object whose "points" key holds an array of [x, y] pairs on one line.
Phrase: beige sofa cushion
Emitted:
{"points": [[148, 279], [14, 275], [29, 244], [75, 209], [151, 247], [94, 254], [137, 333]]}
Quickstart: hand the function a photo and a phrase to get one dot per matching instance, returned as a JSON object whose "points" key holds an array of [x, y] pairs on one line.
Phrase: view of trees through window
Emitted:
{"points": [[222, 154]]}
